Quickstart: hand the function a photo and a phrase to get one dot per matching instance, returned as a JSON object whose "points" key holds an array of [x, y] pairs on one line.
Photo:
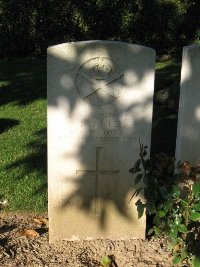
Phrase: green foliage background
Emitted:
{"points": [[28, 27]]}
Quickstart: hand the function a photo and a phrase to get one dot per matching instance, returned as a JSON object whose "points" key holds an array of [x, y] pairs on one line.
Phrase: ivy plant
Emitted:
{"points": [[173, 203]]}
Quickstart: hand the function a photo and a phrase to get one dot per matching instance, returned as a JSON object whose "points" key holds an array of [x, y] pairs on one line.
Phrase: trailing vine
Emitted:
{"points": [[172, 203]]}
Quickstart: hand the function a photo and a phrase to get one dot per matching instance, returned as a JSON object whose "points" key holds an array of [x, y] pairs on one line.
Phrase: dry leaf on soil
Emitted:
{"points": [[41, 221], [29, 233]]}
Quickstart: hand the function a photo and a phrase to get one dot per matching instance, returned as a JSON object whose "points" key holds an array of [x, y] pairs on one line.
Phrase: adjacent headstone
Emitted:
{"points": [[188, 132], [99, 105]]}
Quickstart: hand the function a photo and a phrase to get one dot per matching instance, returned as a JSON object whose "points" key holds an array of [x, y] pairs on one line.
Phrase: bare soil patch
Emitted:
{"points": [[18, 250]]}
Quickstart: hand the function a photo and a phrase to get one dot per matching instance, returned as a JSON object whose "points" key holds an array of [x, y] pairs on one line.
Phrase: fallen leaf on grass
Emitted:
{"points": [[29, 233], [41, 221]]}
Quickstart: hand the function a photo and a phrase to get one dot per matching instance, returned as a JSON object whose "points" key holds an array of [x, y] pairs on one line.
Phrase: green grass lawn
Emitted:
{"points": [[23, 174], [23, 179], [167, 73]]}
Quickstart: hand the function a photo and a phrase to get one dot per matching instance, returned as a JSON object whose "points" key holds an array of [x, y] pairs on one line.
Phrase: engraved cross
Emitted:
{"points": [[97, 172]]}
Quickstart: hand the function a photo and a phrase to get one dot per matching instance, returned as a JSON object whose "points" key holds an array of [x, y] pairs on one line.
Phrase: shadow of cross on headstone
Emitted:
{"points": [[97, 172]]}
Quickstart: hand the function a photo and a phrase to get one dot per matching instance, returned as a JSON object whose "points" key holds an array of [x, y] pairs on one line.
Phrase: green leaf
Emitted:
{"points": [[105, 261], [173, 226], [196, 189], [156, 230], [161, 213], [182, 228], [184, 253], [177, 220], [184, 203], [196, 207], [175, 190], [176, 259], [136, 167], [173, 233], [150, 231], [167, 205], [156, 220], [171, 223], [140, 208], [171, 243], [195, 261], [138, 178], [194, 216]]}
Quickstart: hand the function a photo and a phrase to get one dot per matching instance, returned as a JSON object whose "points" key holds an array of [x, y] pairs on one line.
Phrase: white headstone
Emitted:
{"points": [[99, 105], [188, 132]]}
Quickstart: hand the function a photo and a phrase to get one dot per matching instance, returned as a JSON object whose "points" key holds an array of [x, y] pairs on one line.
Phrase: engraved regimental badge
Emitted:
{"points": [[98, 81]]}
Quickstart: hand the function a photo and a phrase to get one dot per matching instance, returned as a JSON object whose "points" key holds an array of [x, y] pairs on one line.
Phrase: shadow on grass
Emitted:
{"points": [[22, 81], [36, 161], [167, 73], [6, 124]]}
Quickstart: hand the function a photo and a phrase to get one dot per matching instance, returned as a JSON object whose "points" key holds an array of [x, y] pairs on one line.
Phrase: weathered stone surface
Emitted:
{"points": [[99, 105], [188, 132]]}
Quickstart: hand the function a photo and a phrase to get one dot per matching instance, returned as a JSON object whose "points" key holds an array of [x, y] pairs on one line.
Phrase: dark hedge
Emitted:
{"points": [[28, 27]]}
